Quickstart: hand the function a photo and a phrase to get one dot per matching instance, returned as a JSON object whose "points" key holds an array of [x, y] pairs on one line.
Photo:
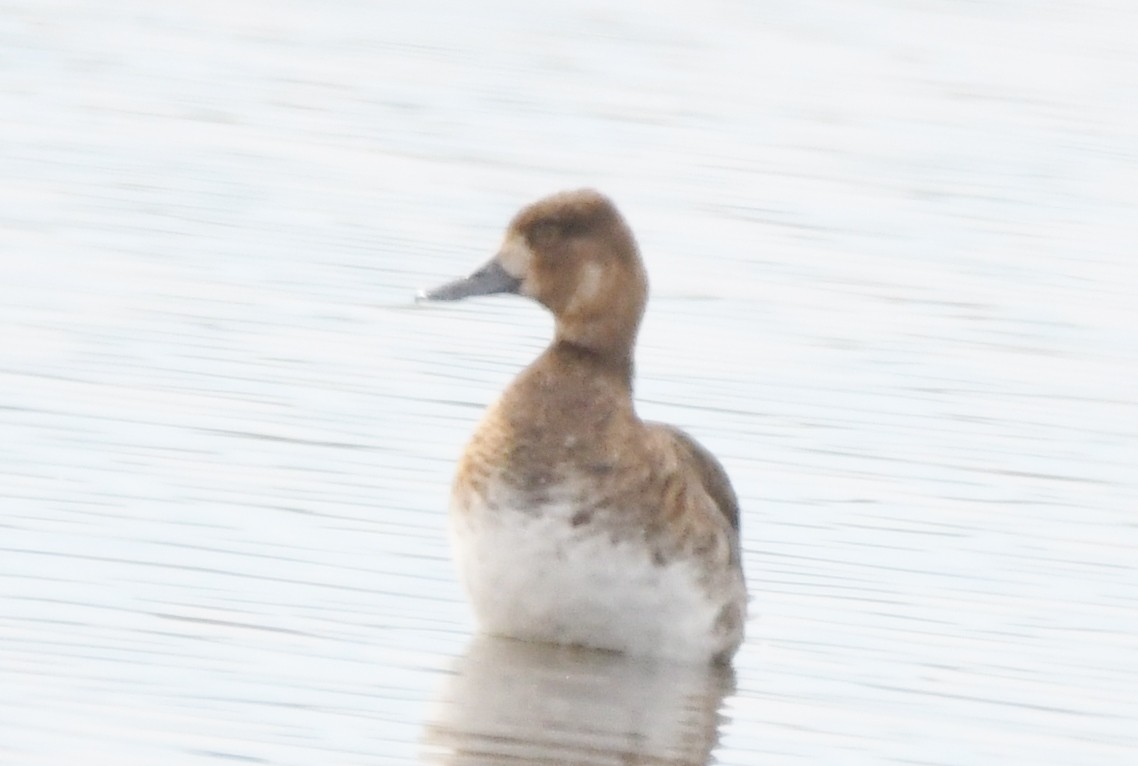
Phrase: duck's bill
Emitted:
{"points": [[488, 280]]}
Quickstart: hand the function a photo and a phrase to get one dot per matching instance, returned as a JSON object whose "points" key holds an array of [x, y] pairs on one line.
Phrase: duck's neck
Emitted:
{"points": [[606, 360], [604, 337]]}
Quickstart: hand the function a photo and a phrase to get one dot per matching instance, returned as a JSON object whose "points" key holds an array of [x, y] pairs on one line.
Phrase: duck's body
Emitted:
{"points": [[572, 520]]}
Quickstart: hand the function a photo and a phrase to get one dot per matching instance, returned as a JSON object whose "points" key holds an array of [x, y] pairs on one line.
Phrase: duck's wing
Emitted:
{"points": [[711, 474]]}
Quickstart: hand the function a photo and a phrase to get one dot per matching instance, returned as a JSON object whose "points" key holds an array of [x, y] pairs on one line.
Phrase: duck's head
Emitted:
{"points": [[573, 253]]}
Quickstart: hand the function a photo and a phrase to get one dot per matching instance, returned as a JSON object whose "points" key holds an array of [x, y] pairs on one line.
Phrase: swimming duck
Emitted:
{"points": [[572, 520]]}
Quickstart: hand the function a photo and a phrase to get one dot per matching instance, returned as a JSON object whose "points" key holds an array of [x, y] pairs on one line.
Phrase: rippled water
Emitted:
{"points": [[893, 258]]}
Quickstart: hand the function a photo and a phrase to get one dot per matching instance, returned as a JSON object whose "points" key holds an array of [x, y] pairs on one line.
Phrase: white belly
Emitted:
{"points": [[538, 577]]}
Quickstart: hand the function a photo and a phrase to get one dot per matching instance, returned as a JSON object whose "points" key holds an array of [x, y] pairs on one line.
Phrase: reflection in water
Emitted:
{"points": [[514, 701]]}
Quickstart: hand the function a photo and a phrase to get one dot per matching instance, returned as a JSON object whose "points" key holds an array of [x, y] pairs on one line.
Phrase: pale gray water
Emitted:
{"points": [[893, 251]]}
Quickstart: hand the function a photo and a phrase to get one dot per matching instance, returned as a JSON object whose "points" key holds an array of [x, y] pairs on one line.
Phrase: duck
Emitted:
{"points": [[572, 521]]}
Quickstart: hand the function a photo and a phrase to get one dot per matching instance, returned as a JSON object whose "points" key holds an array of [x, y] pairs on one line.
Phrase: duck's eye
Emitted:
{"points": [[573, 227], [550, 231], [545, 232]]}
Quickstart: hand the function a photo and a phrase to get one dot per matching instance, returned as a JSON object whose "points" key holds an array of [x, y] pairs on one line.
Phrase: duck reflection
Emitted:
{"points": [[528, 703]]}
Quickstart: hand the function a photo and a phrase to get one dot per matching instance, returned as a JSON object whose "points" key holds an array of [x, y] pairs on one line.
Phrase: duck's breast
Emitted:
{"points": [[562, 572]]}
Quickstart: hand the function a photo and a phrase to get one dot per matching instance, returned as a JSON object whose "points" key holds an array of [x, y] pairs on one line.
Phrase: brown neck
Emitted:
{"points": [[608, 361], [606, 329]]}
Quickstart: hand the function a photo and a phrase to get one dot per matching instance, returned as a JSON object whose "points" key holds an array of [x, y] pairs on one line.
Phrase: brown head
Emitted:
{"points": [[573, 253]]}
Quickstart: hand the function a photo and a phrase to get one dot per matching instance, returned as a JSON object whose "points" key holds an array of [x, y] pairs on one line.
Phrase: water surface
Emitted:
{"points": [[892, 254]]}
